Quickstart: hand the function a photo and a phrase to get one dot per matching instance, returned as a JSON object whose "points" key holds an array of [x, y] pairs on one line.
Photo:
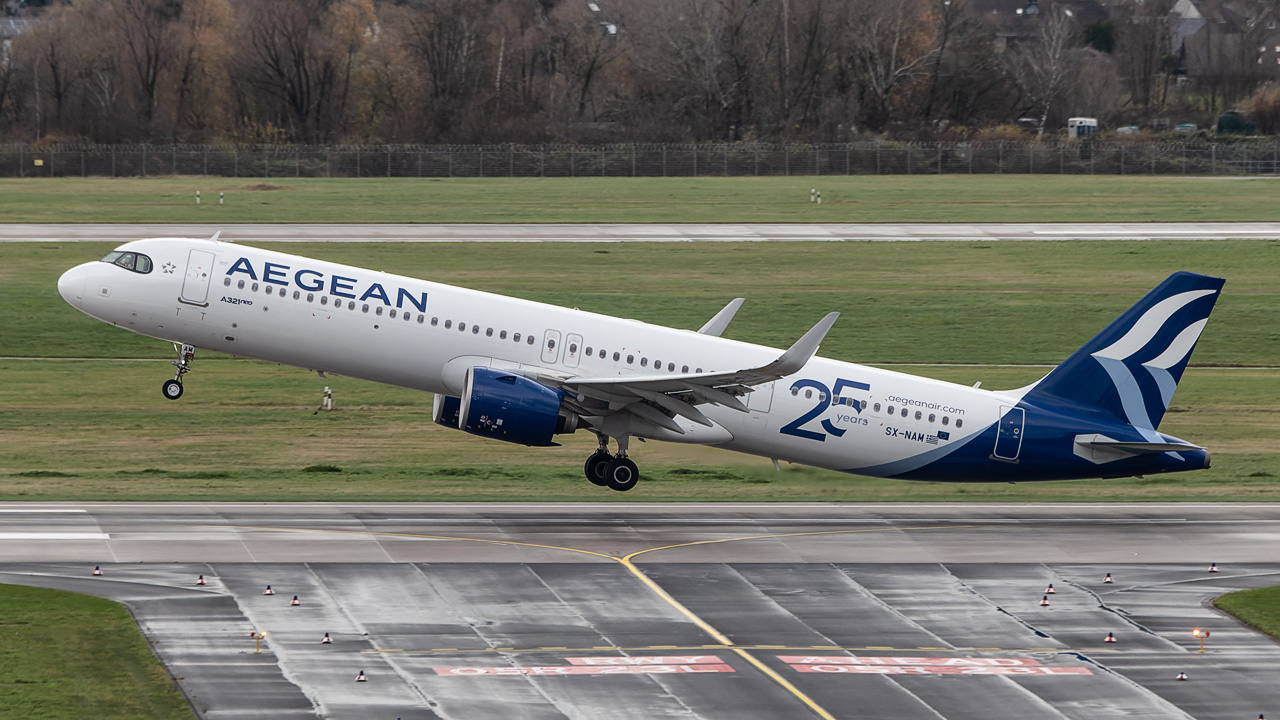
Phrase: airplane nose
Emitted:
{"points": [[71, 285]]}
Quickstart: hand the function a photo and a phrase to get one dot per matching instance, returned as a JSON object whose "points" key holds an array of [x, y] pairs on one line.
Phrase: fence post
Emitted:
{"points": [[695, 160], [786, 159], [817, 155], [633, 159], [846, 160], [511, 159], [480, 152], [1184, 158], [1000, 158], [235, 161], [877, 157], [1062, 158], [113, 161], [756, 153], [1246, 160], [1153, 159], [1213, 166], [939, 158], [82, 164], [726, 160], [908, 158], [602, 161], [388, 161], [175, 160], [664, 161], [1031, 159], [542, 161], [266, 162], [144, 161], [972, 151], [204, 159], [1121, 158], [297, 162], [573, 171]]}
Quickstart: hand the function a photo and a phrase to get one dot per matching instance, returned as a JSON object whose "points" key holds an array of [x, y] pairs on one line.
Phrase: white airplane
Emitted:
{"points": [[523, 372]]}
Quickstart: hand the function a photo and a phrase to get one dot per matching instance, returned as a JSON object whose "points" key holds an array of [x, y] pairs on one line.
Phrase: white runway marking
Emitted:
{"points": [[42, 510], [54, 536]]}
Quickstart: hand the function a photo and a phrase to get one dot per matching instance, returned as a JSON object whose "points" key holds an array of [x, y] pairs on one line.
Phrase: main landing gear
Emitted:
{"points": [[172, 389], [614, 471]]}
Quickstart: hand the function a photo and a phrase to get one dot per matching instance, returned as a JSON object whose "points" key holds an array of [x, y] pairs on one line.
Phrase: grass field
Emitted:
{"points": [[66, 655], [99, 429], [888, 198], [1259, 608]]}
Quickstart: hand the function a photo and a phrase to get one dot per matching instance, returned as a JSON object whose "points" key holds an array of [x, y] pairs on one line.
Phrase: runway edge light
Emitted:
{"points": [[200, 580], [1181, 676], [1110, 638], [1107, 580], [325, 640], [360, 677], [97, 570], [268, 591], [1049, 590], [1213, 567], [1044, 602], [295, 601]]}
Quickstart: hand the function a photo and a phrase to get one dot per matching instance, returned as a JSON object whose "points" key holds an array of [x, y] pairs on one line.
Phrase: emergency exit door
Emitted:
{"points": [[195, 287], [1009, 433]]}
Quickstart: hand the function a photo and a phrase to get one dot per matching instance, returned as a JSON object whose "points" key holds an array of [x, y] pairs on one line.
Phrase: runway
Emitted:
{"points": [[678, 610], [609, 233]]}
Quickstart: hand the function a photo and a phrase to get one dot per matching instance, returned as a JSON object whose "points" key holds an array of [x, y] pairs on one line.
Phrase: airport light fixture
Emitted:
{"points": [[1202, 634], [258, 637]]}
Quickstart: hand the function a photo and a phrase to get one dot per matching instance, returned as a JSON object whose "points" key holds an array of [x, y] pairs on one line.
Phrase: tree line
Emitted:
{"points": [[531, 71]]}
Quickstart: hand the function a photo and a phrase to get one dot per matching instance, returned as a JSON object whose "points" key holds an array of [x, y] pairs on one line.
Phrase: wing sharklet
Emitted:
{"points": [[716, 325], [798, 355]]}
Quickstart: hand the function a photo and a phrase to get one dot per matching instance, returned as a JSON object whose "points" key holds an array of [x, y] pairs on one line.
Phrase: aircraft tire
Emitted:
{"points": [[596, 467], [622, 474], [172, 389]]}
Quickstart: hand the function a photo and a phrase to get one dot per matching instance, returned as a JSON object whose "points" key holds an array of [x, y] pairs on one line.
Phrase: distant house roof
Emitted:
{"points": [[11, 26]]}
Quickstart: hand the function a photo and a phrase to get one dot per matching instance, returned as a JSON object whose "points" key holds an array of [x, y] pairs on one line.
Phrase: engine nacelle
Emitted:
{"points": [[505, 406], [445, 410]]}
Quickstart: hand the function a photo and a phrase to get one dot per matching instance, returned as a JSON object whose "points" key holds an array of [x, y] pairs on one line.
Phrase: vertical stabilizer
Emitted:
{"points": [[1129, 370]]}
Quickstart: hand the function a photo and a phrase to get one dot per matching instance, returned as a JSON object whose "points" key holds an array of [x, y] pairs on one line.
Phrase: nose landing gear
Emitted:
{"points": [[616, 472], [172, 389]]}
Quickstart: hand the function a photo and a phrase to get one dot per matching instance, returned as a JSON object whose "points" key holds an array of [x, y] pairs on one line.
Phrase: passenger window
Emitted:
{"points": [[904, 412], [240, 285], [502, 335], [959, 422], [551, 344], [364, 308], [514, 338], [377, 310], [631, 359], [671, 367], [876, 407], [268, 289], [475, 329], [795, 391], [602, 353], [393, 313], [312, 296], [808, 394], [891, 410], [296, 294], [421, 319], [917, 414], [448, 324], [573, 348], [589, 352], [406, 317], [698, 370], [931, 417], [462, 327], [488, 332], [822, 397], [529, 340], [945, 419], [226, 282], [254, 288], [616, 357], [684, 369], [644, 362], [324, 299], [351, 305]]}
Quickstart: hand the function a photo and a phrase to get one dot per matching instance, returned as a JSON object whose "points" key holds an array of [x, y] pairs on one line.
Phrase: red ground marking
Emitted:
{"points": [[649, 660], [938, 670], [584, 670], [912, 661]]}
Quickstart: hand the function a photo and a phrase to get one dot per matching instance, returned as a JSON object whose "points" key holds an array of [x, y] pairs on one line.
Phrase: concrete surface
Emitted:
{"points": [[679, 610], [624, 232]]}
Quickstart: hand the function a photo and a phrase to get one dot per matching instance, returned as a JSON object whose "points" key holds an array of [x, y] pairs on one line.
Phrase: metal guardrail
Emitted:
{"points": [[642, 160]]}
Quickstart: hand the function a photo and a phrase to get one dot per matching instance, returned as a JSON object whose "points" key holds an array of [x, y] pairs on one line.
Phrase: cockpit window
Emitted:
{"points": [[136, 262]]}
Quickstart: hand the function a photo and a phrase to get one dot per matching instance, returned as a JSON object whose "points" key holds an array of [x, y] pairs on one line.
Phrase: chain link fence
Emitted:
{"points": [[1254, 157]]}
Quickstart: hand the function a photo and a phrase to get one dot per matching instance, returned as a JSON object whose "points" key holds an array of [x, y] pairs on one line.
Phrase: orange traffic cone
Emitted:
{"points": [[1050, 589], [1213, 567], [268, 591], [1044, 602], [326, 640], [1107, 580], [295, 601], [97, 569], [360, 677], [1110, 638], [200, 580], [1182, 676]]}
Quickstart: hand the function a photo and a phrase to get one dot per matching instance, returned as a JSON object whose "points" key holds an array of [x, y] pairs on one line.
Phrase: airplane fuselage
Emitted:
{"points": [[425, 336]]}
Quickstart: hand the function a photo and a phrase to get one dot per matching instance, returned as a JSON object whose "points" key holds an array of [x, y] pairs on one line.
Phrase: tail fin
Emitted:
{"points": [[1130, 370]]}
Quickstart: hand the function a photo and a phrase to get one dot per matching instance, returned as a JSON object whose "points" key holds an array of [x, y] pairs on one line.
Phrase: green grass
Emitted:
{"points": [[889, 198], [99, 429], [66, 655], [249, 431], [1004, 302], [1259, 609]]}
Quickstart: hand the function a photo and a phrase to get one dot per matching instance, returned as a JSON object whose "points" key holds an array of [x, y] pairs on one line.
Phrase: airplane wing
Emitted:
{"points": [[659, 398]]}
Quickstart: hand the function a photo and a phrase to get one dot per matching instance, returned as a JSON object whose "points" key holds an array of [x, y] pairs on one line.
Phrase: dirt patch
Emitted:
{"points": [[266, 187]]}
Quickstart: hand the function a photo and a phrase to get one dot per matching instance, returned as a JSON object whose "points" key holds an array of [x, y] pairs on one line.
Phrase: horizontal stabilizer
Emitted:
{"points": [[1142, 448]]}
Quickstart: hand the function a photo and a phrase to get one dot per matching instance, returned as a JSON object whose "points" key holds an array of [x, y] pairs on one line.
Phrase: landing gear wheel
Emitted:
{"points": [[622, 474], [596, 467], [172, 389]]}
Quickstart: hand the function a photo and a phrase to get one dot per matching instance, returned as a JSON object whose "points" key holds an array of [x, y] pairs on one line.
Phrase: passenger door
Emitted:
{"points": [[195, 287]]}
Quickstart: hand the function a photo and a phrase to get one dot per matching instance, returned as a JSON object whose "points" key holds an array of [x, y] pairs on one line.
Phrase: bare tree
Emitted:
{"points": [[1041, 68], [147, 39], [1144, 43], [892, 42]]}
